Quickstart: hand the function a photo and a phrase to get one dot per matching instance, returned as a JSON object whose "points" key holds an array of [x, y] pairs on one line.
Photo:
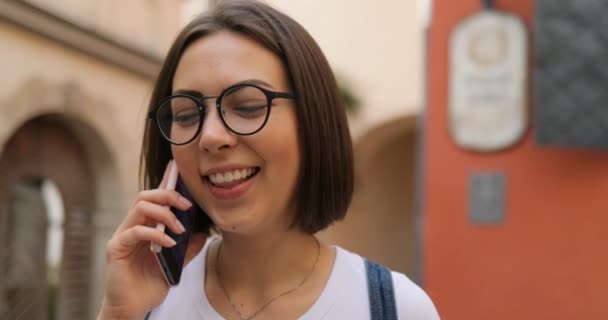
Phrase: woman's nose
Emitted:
{"points": [[214, 135]]}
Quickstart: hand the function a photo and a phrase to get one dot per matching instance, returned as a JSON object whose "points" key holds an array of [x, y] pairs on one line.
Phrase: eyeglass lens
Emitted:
{"points": [[244, 110]]}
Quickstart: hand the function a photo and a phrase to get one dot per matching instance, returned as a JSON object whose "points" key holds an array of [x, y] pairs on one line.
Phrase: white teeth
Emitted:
{"points": [[230, 176]]}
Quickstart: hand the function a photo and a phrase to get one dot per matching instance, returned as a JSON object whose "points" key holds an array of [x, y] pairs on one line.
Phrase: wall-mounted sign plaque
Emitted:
{"points": [[487, 88], [487, 193]]}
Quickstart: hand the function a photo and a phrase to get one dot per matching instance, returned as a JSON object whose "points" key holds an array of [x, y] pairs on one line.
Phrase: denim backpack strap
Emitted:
{"points": [[380, 289]]}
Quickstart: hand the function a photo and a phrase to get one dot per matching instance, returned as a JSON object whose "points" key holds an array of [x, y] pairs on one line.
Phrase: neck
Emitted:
{"points": [[266, 263]]}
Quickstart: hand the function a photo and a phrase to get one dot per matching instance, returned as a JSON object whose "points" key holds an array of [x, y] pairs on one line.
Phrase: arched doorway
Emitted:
{"points": [[381, 223], [45, 149]]}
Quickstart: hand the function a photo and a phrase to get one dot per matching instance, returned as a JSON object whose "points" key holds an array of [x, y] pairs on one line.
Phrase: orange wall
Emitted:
{"points": [[549, 260]]}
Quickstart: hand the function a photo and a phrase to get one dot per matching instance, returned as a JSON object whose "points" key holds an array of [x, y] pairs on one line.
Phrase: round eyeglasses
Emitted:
{"points": [[244, 109]]}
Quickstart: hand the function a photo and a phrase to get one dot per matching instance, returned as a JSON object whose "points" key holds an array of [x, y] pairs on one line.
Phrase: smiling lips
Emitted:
{"points": [[230, 177], [233, 183]]}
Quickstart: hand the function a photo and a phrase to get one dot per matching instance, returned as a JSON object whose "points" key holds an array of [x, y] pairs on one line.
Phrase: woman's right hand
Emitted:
{"points": [[134, 281]]}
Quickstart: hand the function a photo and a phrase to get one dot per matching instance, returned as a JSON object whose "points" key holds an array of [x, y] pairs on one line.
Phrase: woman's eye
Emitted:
{"points": [[186, 118], [250, 110]]}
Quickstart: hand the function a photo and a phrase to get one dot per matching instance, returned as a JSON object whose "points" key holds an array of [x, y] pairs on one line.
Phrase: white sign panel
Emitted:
{"points": [[488, 68]]}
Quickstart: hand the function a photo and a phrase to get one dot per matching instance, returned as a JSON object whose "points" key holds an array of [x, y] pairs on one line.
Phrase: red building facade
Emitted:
{"points": [[547, 259]]}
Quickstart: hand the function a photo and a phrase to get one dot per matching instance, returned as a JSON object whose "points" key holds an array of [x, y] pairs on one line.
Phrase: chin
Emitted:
{"points": [[236, 225]]}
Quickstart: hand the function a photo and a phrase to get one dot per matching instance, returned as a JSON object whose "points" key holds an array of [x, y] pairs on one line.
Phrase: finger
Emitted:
{"points": [[130, 238], [153, 213], [163, 197], [153, 206]]}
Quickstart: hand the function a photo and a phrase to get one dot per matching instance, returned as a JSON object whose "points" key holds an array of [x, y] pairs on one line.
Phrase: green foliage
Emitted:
{"points": [[351, 101]]}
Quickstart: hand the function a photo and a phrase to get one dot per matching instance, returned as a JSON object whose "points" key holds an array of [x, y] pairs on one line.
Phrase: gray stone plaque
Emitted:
{"points": [[487, 197], [571, 73]]}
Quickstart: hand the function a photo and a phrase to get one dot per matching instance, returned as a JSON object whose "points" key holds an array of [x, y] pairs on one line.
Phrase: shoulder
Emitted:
{"points": [[412, 302]]}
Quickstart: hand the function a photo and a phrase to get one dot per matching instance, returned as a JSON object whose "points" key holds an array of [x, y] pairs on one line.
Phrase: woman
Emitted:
{"points": [[248, 108]]}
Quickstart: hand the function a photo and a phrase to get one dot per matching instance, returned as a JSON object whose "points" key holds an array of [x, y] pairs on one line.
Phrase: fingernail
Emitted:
{"points": [[170, 241], [180, 226], [185, 201]]}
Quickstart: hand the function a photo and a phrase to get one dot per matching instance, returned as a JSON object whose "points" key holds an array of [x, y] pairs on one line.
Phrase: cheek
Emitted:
{"points": [[286, 159], [284, 153], [185, 157]]}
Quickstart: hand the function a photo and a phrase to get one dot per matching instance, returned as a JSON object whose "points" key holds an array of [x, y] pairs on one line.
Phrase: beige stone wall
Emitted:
{"points": [[115, 100], [149, 25], [376, 45]]}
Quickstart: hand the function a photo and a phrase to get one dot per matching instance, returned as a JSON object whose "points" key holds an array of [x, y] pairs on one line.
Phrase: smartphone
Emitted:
{"points": [[171, 260]]}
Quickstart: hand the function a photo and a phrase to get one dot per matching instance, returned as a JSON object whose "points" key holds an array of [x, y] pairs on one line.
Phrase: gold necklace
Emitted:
{"points": [[219, 279]]}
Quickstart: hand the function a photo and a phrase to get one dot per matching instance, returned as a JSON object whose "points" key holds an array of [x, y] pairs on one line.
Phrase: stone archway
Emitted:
{"points": [[91, 124], [46, 147], [381, 223]]}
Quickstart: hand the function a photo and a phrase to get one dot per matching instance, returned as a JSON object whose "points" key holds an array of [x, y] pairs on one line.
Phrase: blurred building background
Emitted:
{"points": [[76, 79], [76, 76], [74, 85]]}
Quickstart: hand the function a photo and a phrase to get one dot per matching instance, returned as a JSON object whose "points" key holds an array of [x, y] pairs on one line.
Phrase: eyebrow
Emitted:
{"points": [[196, 93]]}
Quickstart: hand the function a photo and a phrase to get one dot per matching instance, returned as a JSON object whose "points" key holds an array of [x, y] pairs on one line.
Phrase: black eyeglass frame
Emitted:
{"points": [[270, 95]]}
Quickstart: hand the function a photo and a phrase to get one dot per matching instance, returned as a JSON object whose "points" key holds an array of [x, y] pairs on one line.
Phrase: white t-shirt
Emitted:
{"points": [[344, 296]]}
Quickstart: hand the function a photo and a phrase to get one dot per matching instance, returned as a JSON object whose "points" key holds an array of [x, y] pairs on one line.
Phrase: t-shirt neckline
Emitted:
{"points": [[317, 310]]}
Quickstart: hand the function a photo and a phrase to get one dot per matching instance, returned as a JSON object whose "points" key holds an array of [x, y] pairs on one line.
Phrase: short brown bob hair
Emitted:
{"points": [[325, 181]]}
